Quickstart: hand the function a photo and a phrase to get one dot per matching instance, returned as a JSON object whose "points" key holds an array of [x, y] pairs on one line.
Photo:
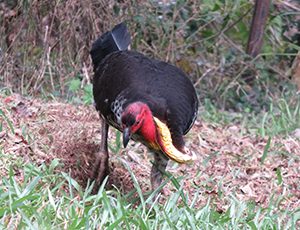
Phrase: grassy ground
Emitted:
{"points": [[246, 175]]}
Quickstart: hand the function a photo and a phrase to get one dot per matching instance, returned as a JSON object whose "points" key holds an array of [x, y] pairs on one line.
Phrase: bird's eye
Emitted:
{"points": [[137, 122]]}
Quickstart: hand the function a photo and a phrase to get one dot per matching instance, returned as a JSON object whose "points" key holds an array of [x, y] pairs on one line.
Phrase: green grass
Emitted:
{"points": [[49, 200], [281, 118]]}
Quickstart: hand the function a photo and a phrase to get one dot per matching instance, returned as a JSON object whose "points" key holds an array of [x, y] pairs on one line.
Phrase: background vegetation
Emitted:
{"points": [[45, 45], [44, 52]]}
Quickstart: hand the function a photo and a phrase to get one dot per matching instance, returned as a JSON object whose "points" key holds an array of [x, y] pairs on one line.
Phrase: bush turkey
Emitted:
{"points": [[150, 101]]}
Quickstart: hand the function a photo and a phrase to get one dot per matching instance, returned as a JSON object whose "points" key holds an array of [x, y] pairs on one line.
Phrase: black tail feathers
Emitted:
{"points": [[117, 39]]}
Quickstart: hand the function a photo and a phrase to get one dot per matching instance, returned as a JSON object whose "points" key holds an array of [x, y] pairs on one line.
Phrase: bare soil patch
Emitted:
{"points": [[229, 164]]}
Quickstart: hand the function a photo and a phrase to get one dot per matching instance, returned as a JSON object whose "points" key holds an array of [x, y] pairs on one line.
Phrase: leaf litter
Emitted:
{"points": [[229, 163]]}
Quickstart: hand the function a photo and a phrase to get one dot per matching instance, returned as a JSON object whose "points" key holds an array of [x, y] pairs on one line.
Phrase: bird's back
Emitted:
{"points": [[125, 76]]}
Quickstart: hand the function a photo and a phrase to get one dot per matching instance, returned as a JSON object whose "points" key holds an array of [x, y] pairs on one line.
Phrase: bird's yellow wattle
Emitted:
{"points": [[167, 146]]}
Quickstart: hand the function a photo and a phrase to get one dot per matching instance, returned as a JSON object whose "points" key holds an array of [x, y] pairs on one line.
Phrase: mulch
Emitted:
{"points": [[231, 161]]}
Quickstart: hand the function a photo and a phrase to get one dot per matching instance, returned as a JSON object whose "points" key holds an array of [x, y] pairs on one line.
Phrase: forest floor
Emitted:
{"points": [[231, 162]]}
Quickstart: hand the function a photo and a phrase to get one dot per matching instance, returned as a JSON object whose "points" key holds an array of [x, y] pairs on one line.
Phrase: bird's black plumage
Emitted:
{"points": [[125, 81], [124, 77]]}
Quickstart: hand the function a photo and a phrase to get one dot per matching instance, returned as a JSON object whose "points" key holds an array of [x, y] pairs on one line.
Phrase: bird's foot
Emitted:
{"points": [[101, 169]]}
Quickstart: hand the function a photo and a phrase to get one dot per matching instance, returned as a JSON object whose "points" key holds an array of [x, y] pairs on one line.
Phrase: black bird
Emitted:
{"points": [[148, 100]]}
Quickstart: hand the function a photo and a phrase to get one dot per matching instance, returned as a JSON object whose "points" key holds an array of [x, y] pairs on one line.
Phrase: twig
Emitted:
{"points": [[203, 76]]}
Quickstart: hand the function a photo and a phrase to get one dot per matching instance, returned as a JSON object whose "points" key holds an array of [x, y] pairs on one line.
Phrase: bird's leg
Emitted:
{"points": [[158, 169], [101, 169]]}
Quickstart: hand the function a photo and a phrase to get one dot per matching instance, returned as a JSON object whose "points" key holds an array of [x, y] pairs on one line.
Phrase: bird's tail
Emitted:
{"points": [[116, 39]]}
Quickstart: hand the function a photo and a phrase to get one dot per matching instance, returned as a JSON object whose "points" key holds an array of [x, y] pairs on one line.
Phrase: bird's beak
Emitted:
{"points": [[126, 136]]}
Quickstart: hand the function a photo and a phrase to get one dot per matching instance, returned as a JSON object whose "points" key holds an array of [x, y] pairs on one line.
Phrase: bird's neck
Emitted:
{"points": [[148, 128]]}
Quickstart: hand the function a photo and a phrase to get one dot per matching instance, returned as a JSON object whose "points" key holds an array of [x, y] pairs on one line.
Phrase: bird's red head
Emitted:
{"points": [[137, 118]]}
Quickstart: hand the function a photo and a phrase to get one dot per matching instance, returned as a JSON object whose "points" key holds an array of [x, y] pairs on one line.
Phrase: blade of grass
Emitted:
{"points": [[266, 150], [279, 176], [9, 123], [136, 184]]}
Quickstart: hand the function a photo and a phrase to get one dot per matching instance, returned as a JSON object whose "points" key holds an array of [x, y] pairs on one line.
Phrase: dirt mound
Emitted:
{"points": [[228, 163]]}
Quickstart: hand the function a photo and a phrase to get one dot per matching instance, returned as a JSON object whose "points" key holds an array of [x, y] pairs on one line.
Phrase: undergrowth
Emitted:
{"points": [[45, 46]]}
